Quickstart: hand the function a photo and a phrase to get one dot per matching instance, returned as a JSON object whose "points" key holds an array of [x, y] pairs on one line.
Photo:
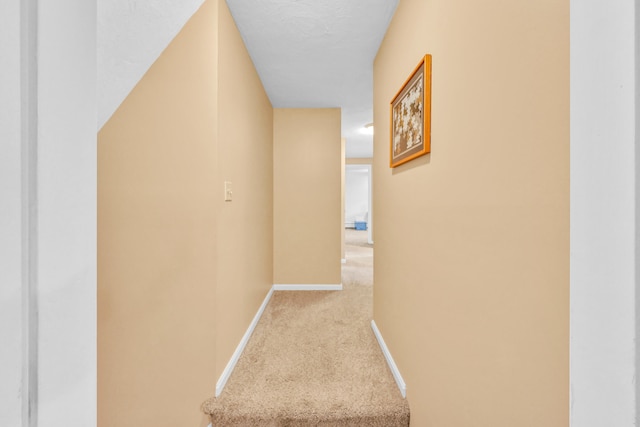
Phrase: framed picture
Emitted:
{"points": [[411, 116]]}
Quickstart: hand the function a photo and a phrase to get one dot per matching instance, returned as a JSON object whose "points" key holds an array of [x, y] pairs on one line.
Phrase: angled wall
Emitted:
{"points": [[157, 211], [175, 293], [307, 196], [472, 241], [245, 224]]}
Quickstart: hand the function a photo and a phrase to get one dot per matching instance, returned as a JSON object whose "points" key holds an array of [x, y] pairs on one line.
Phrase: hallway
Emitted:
{"points": [[505, 263], [313, 359]]}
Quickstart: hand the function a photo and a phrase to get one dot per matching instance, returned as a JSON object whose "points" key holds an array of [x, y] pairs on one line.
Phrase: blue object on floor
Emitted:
{"points": [[361, 225]]}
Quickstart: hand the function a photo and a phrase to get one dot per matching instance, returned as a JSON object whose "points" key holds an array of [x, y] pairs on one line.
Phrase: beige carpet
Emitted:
{"points": [[314, 361]]}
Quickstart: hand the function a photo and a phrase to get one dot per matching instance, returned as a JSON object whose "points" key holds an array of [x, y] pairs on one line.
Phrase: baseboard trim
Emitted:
{"points": [[224, 377], [392, 364], [226, 374], [307, 287]]}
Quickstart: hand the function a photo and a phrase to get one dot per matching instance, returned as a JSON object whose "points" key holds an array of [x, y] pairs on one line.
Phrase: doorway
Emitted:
{"points": [[358, 200]]}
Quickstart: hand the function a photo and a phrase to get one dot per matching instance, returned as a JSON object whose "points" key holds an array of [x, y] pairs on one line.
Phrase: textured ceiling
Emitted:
{"points": [[318, 53], [309, 53]]}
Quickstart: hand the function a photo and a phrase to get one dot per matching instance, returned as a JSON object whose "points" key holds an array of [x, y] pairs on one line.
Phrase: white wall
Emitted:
{"points": [[67, 186], [63, 260], [131, 36], [356, 194], [10, 214], [603, 213]]}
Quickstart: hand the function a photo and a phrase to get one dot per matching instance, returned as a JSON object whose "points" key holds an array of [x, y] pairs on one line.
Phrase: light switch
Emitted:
{"points": [[228, 194]]}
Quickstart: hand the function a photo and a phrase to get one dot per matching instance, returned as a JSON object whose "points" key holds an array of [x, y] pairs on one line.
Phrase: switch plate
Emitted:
{"points": [[228, 193]]}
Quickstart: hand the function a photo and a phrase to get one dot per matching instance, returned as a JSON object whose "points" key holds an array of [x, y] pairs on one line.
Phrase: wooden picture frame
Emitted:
{"points": [[411, 116]]}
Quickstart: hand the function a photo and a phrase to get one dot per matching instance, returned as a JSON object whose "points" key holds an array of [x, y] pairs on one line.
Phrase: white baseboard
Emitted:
{"points": [[226, 374], [392, 365], [307, 287], [224, 377]]}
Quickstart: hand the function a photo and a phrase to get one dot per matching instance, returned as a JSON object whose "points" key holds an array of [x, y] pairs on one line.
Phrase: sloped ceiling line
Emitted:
{"points": [[308, 53], [131, 36]]}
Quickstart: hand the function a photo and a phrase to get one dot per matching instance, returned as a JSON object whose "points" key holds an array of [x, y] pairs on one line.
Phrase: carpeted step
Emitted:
{"points": [[313, 361], [301, 420]]}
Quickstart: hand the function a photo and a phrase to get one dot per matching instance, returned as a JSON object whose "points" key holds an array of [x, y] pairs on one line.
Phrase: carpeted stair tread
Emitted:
{"points": [[314, 361]]}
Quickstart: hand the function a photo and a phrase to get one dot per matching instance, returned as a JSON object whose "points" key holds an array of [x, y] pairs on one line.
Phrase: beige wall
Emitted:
{"points": [[307, 196], [174, 291], [245, 225], [472, 251]]}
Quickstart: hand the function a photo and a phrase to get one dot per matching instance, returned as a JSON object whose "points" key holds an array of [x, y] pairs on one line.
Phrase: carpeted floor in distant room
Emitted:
{"points": [[313, 359]]}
